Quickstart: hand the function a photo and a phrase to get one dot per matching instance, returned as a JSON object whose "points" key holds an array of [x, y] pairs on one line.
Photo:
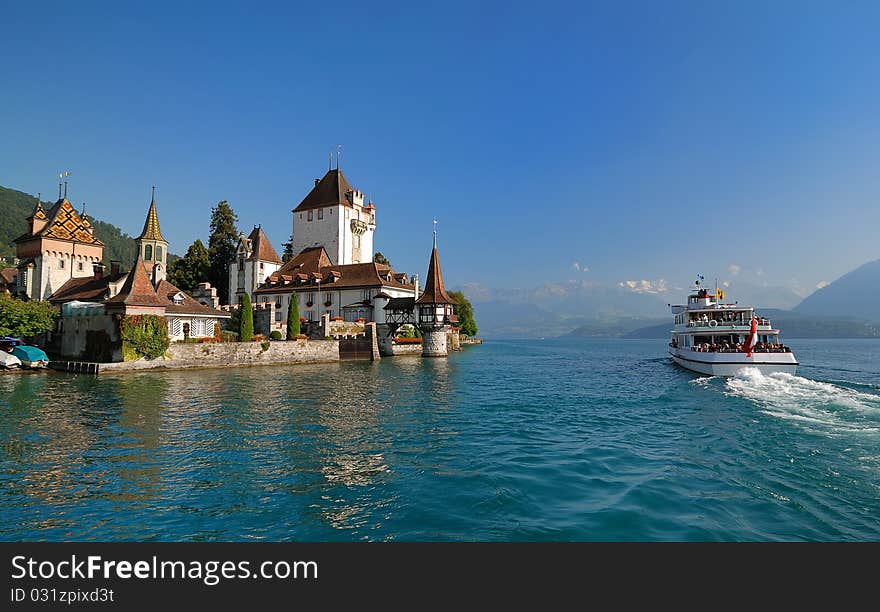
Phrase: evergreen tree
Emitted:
{"points": [[380, 259], [465, 313], [221, 247], [293, 329], [287, 255], [191, 269], [246, 331]]}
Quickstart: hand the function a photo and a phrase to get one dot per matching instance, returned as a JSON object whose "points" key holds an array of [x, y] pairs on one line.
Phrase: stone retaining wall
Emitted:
{"points": [[235, 354]]}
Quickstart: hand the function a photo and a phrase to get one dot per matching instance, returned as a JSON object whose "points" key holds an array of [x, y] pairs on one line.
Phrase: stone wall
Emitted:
{"points": [[434, 343], [236, 354], [93, 338]]}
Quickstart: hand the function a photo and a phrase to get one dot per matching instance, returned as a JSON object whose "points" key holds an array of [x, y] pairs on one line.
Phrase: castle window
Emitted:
{"points": [[261, 265], [328, 298], [79, 266], [158, 253], [320, 213], [61, 263], [310, 216], [148, 252], [241, 263]]}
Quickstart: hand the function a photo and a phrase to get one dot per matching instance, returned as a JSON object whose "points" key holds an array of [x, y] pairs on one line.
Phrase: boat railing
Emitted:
{"points": [[715, 323]]}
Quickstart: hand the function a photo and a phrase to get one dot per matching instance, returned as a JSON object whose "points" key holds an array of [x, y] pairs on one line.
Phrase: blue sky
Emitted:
{"points": [[639, 140]]}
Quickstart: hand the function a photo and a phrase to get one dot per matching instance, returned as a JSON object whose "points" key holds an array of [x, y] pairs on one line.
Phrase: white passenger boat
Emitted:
{"points": [[717, 339]]}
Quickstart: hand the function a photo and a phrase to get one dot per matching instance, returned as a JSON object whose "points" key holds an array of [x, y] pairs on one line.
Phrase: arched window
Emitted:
{"points": [[148, 252], [158, 253]]}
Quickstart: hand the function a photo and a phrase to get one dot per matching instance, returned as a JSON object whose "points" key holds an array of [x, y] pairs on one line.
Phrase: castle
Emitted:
{"points": [[334, 277]]}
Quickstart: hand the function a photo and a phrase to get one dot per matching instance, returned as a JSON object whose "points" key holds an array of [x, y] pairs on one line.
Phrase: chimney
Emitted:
{"points": [[415, 281], [114, 268], [317, 181], [98, 269]]}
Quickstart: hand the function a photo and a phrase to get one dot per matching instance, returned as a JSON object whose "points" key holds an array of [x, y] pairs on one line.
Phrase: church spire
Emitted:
{"points": [[151, 225]]}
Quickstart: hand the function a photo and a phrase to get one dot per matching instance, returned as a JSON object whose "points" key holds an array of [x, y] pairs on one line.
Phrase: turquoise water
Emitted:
{"points": [[512, 440]]}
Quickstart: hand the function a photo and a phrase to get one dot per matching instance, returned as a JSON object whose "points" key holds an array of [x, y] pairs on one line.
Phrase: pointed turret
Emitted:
{"points": [[151, 225], [152, 246], [435, 309]]}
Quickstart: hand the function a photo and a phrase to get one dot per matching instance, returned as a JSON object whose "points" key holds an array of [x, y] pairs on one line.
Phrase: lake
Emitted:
{"points": [[588, 439]]}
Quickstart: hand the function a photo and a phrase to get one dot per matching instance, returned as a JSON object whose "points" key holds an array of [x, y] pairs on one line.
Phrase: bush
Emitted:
{"points": [[265, 346], [276, 335], [144, 336], [256, 338], [229, 336]]}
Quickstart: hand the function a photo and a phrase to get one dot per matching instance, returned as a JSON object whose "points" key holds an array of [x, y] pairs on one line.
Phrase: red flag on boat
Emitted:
{"points": [[752, 340]]}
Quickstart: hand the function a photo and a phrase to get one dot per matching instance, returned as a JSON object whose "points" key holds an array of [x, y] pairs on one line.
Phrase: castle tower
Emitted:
{"points": [[333, 215], [152, 246], [435, 309], [57, 246]]}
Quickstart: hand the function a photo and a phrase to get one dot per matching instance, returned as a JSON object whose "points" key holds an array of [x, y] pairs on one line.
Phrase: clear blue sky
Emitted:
{"points": [[641, 140]]}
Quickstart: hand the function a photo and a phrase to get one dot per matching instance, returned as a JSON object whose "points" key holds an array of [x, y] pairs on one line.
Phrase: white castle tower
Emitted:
{"points": [[333, 215]]}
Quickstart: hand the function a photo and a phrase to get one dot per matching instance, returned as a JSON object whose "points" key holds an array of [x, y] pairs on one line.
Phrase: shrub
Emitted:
{"points": [[143, 336], [257, 338], [265, 346], [229, 336], [276, 335]]}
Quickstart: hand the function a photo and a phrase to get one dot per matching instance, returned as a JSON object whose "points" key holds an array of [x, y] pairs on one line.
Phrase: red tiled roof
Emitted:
{"points": [[137, 290], [305, 262], [261, 248], [435, 292], [88, 289], [167, 291], [329, 191]]}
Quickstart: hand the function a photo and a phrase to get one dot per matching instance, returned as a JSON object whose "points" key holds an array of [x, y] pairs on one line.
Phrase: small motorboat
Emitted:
{"points": [[31, 356], [9, 361]]}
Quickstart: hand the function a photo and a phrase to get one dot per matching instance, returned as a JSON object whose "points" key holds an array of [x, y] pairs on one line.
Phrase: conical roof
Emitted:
{"points": [[261, 248], [434, 292], [151, 225]]}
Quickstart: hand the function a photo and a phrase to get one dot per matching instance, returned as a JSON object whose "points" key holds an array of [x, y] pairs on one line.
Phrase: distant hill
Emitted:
{"points": [[855, 294], [15, 206], [790, 324]]}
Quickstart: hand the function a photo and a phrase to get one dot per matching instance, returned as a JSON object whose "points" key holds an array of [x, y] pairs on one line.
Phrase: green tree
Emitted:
{"points": [[293, 317], [221, 247], [246, 331], [191, 269], [381, 259], [465, 313], [25, 319], [287, 255]]}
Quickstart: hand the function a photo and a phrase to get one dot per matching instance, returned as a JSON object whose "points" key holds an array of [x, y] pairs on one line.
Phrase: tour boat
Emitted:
{"points": [[31, 356], [717, 339]]}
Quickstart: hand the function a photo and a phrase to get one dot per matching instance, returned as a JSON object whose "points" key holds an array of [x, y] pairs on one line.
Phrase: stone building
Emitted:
{"points": [[436, 314], [92, 307], [333, 215], [355, 293], [59, 245], [255, 260]]}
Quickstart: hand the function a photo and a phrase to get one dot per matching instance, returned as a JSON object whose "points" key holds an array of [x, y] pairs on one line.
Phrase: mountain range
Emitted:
{"points": [[849, 307]]}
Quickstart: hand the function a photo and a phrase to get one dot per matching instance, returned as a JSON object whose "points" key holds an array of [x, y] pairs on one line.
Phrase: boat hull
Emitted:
{"points": [[730, 364]]}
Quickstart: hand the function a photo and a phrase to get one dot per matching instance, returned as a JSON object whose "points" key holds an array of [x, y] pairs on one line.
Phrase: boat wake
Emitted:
{"points": [[812, 404]]}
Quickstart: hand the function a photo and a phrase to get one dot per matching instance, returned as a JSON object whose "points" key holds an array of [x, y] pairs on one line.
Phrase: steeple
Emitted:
{"points": [[151, 225], [152, 246], [435, 292]]}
